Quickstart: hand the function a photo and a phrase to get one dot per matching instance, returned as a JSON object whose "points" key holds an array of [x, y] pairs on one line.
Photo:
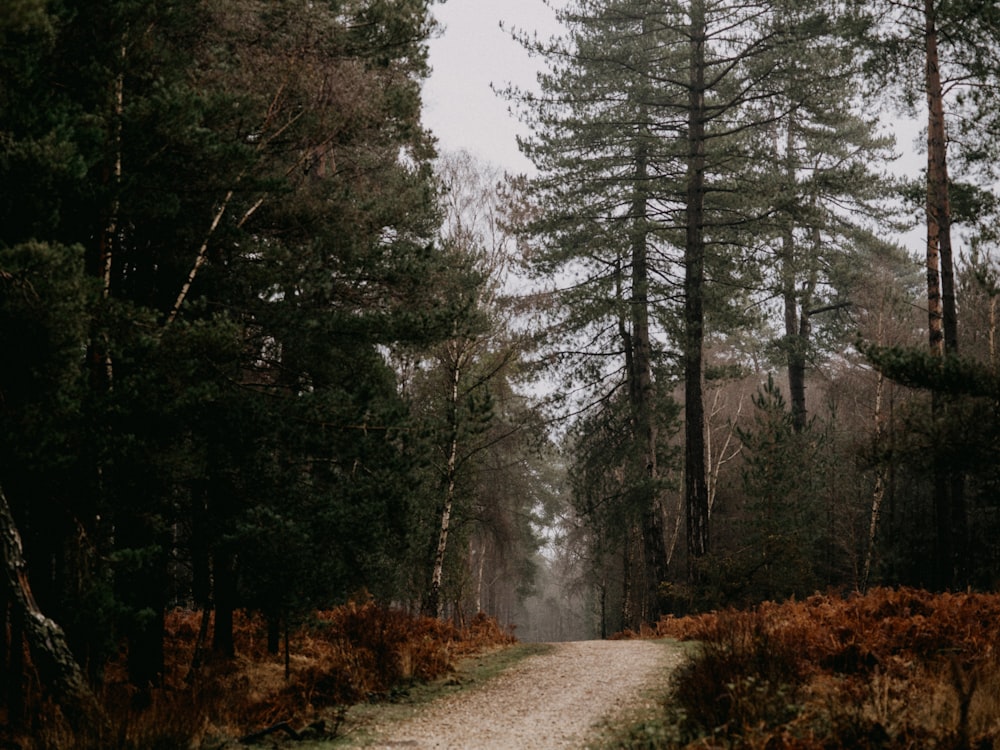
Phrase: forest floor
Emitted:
{"points": [[559, 697]]}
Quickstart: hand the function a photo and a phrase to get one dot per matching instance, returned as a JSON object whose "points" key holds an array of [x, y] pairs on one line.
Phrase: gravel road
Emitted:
{"points": [[548, 701]]}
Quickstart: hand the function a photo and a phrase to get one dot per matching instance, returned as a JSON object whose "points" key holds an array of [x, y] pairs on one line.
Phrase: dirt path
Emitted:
{"points": [[547, 701]]}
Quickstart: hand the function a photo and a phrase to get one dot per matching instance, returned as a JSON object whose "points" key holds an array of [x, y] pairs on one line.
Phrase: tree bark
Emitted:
{"points": [[57, 669], [942, 310], [273, 633], [640, 375], [949, 483], [435, 605], [16, 678], [695, 485], [198, 658], [878, 491], [224, 570], [629, 617]]}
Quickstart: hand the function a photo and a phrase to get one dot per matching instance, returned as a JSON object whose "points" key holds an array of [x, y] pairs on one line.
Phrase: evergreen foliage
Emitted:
{"points": [[223, 218], [263, 349]]}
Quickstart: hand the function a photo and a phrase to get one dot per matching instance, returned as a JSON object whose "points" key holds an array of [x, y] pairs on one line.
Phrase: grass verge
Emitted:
{"points": [[364, 722], [646, 724]]}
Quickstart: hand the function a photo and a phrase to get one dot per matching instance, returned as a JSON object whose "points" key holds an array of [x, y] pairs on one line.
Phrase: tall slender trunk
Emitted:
{"points": [[640, 374], [603, 607], [949, 483], [878, 491], [224, 581], [102, 261], [942, 311], [695, 485], [794, 345], [111, 226], [435, 605], [480, 571], [993, 333], [629, 617]]}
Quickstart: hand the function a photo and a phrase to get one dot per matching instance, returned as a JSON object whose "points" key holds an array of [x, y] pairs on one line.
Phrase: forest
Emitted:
{"points": [[266, 350]]}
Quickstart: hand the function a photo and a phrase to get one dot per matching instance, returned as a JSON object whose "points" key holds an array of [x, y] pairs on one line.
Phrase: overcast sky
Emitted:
{"points": [[473, 53]]}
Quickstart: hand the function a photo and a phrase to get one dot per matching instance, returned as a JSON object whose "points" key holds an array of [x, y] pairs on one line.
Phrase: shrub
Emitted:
{"points": [[345, 655], [895, 668], [746, 674]]}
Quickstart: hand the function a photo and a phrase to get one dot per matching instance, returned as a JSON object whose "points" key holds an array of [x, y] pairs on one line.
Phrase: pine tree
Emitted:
{"points": [[930, 51], [650, 196], [819, 164], [251, 192]]}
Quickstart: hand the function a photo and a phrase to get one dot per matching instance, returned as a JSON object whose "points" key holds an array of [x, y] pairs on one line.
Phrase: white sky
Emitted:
{"points": [[473, 53]]}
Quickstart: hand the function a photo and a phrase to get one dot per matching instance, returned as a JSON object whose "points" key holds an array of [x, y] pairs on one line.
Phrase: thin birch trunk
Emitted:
{"points": [[480, 571], [435, 605], [202, 255], [715, 461], [878, 491], [101, 363], [938, 207], [111, 229]]}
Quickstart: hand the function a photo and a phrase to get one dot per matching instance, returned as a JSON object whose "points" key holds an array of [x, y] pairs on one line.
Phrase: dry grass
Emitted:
{"points": [[892, 669], [351, 654]]}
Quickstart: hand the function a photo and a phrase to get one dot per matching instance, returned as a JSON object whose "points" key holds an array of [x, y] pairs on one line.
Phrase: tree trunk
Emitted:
{"points": [[198, 658], [435, 605], [603, 607], [628, 603], [878, 491], [201, 567], [16, 682], [480, 567], [224, 570], [794, 322], [273, 633], [640, 375], [949, 483], [141, 584], [939, 248], [695, 486], [57, 670]]}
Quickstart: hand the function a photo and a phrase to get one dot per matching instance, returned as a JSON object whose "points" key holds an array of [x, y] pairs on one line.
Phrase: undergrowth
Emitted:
{"points": [[365, 722], [893, 669], [348, 655]]}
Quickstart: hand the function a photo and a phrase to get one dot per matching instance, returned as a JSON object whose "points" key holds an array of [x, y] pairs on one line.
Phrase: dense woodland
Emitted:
{"points": [[265, 350]]}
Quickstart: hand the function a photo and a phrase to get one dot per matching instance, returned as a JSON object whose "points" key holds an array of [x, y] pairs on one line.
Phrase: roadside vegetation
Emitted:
{"points": [[352, 655], [890, 669]]}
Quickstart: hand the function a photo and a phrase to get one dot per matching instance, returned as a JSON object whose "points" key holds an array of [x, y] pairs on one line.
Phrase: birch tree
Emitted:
{"points": [[460, 389]]}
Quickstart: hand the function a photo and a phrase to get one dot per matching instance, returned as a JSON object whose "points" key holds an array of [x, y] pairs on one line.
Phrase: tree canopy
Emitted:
{"points": [[266, 349]]}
